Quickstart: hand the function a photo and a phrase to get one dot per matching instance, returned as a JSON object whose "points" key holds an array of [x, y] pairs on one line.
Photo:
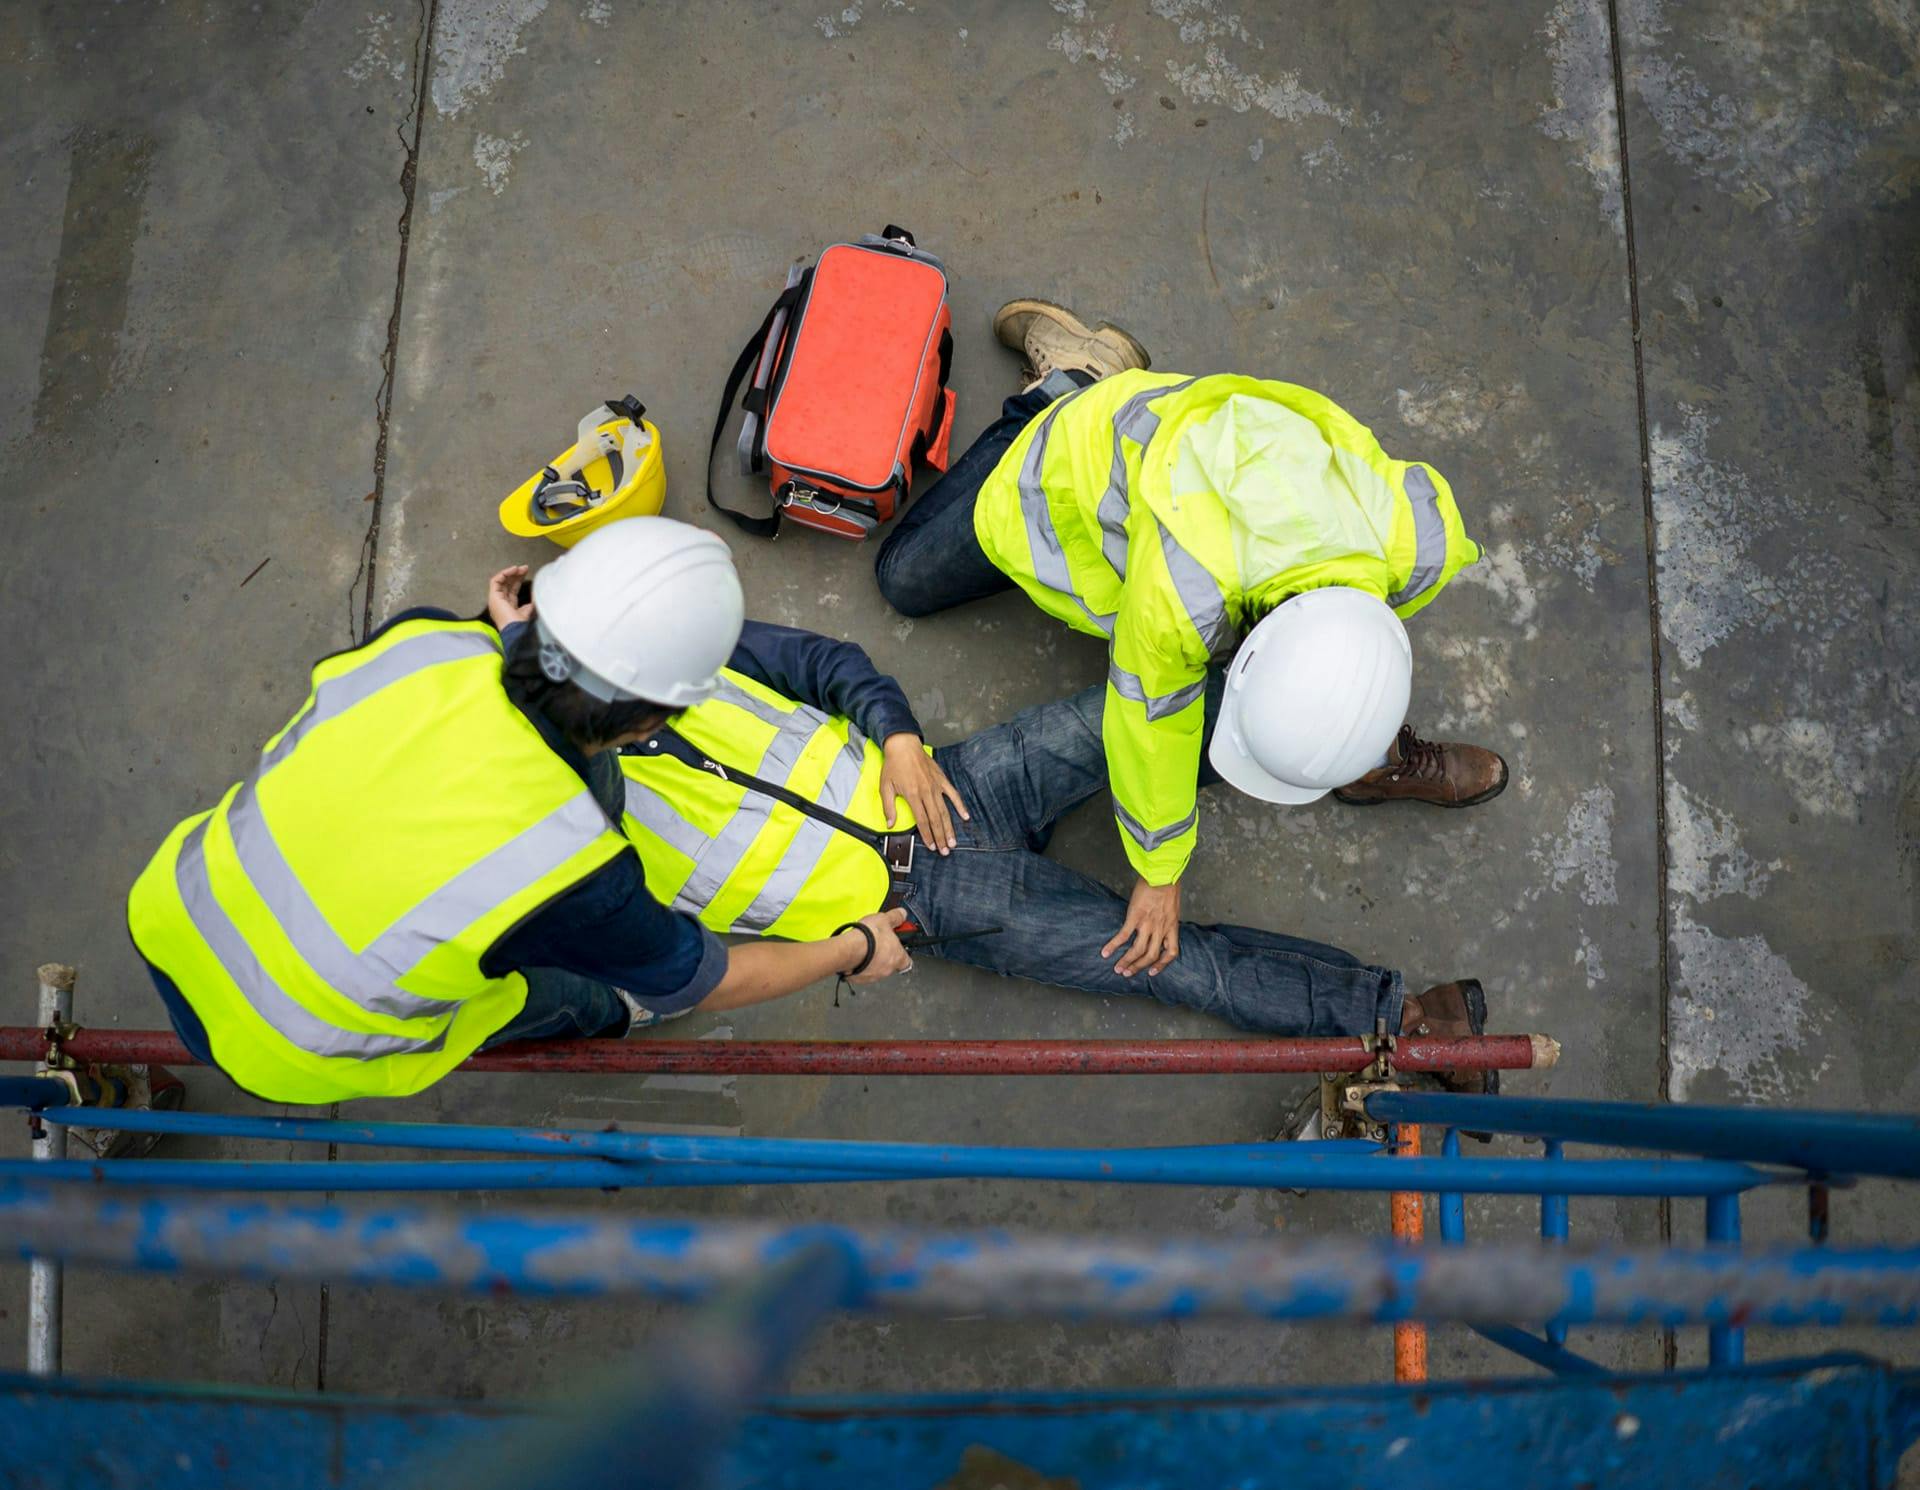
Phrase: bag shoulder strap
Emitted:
{"points": [[768, 526], [666, 741]]}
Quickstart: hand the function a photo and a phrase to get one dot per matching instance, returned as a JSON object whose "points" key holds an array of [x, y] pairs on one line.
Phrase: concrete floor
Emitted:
{"points": [[1706, 877]]}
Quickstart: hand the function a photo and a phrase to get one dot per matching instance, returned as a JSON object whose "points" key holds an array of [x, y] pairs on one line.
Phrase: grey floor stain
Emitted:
{"points": [[106, 190]]}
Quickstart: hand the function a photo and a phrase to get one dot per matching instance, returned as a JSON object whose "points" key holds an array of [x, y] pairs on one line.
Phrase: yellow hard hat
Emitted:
{"points": [[613, 469]]}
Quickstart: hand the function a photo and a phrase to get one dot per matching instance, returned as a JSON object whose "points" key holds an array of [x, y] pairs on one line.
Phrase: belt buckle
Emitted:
{"points": [[897, 850]]}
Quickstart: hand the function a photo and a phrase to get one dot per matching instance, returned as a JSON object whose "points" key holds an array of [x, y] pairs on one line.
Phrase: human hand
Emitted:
{"points": [[889, 957], [1152, 925], [911, 774], [503, 593]]}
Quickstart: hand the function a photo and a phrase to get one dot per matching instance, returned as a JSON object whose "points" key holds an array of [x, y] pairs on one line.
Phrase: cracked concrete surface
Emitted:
{"points": [[1424, 214]]}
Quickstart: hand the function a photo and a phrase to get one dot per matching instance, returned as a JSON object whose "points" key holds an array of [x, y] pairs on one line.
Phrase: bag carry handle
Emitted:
{"points": [[768, 526]]}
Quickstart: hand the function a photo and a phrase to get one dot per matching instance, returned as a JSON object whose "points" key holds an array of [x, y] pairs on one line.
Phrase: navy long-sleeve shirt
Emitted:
{"points": [[609, 926]]}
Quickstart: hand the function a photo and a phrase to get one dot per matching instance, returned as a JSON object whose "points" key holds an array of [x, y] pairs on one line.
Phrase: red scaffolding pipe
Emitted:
{"points": [[886, 1057]]}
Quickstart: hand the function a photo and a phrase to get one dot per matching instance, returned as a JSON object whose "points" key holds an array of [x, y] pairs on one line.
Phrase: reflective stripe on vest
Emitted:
{"points": [[337, 695], [803, 855], [718, 857], [1198, 590], [289, 1017], [512, 869], [1199, 594], [1135, 421], [367, 979], [1430, 537], [1043, 541]]}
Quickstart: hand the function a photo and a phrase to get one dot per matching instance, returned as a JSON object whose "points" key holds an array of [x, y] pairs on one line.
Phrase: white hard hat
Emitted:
{"points": [[645, 607], [1314, 697]]}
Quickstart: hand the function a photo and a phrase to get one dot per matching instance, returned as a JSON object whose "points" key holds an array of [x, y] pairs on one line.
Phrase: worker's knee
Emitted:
{"points": [[898, 584]]}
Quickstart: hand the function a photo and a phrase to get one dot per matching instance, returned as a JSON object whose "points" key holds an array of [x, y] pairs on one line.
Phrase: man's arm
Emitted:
{"points": [[611, 929], [1152, 729], [835, 677], [838, 677], [758, 972]]}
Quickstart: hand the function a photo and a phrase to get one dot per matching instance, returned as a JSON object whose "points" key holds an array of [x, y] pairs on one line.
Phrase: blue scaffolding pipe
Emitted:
{"points": [[1549, 1354], [547, 1252], [35, 1093], [605, 1160], [596, 1143], [821, 1162], [1726, 1343], [316, 1176], [1556, 1224], [1453, 1205], [1836, 1143]]}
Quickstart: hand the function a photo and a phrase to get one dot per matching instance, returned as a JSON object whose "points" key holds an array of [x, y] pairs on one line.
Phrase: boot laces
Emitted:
{"points": [[1422, 759]]}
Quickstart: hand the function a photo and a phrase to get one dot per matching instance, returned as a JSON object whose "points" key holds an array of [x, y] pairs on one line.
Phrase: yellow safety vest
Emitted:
{"points": [[738, 859], [327, 920], [1168, 514]]}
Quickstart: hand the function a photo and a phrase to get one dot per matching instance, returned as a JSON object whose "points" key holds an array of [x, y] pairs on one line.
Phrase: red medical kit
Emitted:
{"points": [[848, 389]]}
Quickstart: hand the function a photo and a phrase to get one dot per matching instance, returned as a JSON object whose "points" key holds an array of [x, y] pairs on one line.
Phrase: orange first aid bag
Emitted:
{"points": [[848, 391]]}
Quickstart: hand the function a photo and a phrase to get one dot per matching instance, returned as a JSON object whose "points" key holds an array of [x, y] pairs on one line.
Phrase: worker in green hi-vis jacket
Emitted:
{"points": [[1190, 521]]}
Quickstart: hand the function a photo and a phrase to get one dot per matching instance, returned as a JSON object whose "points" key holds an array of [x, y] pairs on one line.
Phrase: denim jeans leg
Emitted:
{"points": [[1019, 778], [1053, 922], [931, 561], [564, 1006], [1023, 776]]}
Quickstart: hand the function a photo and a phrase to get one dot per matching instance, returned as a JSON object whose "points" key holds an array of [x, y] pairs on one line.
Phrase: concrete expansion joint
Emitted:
{"points": [[1669, 1347], [360, 618]]}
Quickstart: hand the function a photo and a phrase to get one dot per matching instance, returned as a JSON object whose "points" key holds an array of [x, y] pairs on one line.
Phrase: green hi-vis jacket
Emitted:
{"points": [[327, 919], [738, 859], [1168, 514]]}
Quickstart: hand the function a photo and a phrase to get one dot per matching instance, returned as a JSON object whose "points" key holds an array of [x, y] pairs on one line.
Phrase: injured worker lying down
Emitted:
{"points": [[800, 797]]}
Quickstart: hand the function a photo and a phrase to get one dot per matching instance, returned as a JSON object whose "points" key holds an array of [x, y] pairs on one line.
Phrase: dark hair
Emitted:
{"points": [[587, 722]]}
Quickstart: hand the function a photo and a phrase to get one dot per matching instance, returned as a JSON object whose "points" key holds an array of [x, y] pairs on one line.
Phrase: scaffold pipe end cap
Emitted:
{"points": [[1546, 1051]]}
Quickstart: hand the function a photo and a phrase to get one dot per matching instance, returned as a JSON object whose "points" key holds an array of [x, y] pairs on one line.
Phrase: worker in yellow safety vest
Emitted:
{"points": [[427, 859], [1193, 522]]}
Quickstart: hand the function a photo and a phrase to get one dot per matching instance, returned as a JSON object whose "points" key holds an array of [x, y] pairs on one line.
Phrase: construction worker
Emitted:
{"points": [[426, 860], [1188, 521], [801, 797]]}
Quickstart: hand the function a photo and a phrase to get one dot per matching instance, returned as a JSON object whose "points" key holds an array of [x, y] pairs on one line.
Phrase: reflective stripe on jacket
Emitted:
{"points": [[736, 858], [1169, 513], [327, 920]]}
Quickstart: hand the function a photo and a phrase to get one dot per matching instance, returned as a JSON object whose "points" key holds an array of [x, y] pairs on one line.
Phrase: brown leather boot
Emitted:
{"points": [[1451, 1011], [1443, 772], [1050, 336]]}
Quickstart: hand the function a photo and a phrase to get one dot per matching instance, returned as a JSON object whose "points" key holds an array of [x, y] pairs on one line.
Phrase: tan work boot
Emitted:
{"points": [[1445, 773], [1050, 336], [1451, 1011]]}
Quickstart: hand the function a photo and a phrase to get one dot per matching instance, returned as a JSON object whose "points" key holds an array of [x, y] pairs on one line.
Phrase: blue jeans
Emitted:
{"points": [[931, 560], [1017, 780]]}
